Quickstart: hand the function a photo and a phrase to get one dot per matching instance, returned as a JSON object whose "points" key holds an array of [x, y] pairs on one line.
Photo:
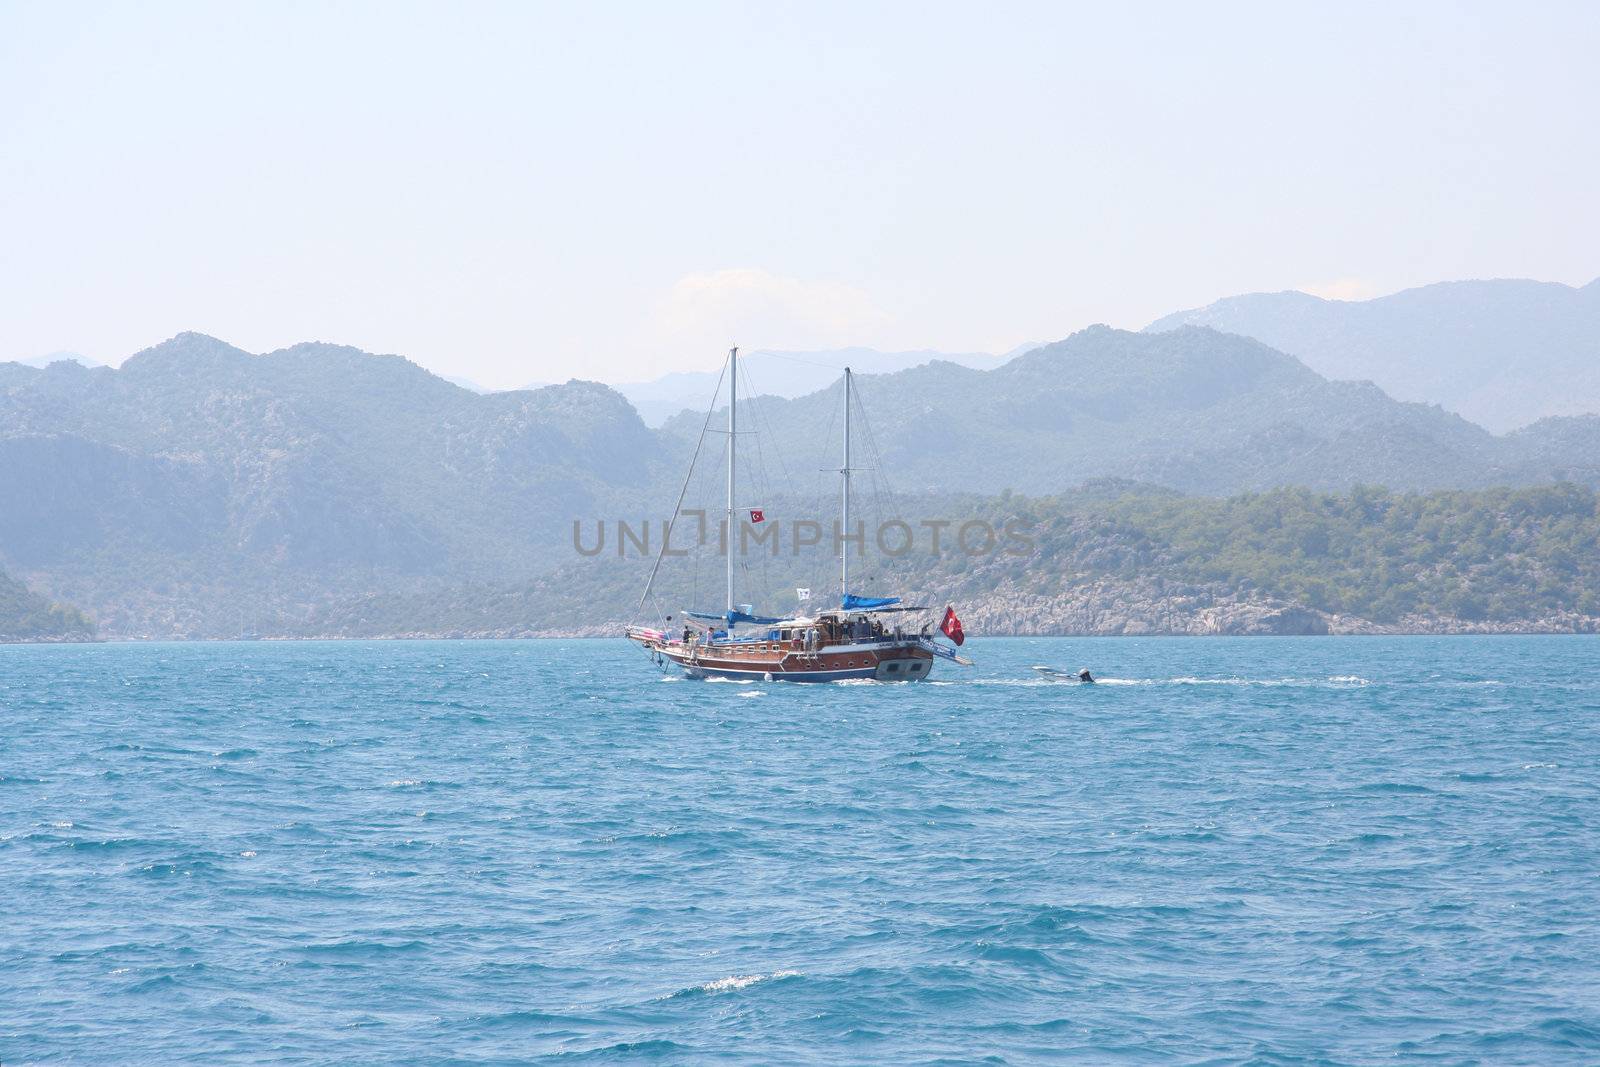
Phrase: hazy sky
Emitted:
{"points": [[524, 191]]}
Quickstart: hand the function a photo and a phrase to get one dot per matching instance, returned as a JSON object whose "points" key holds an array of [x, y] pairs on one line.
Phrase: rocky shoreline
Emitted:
{"points": [[73, 638], [1108, 609], [1090, 609], [1230, 620]]}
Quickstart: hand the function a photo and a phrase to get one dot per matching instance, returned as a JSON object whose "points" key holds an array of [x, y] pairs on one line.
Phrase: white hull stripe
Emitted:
{"points": [[782, 676], [700, 670]]}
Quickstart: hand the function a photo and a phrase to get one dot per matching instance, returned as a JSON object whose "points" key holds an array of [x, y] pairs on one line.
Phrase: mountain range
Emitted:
{"points": [[782, 374], [1191, 409], [1503, 352], [201, 490], [56, 357], [196, 470]]}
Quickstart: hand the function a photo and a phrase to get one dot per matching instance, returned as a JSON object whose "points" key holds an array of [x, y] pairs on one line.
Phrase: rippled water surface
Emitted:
{"points": [[1269, 850]]}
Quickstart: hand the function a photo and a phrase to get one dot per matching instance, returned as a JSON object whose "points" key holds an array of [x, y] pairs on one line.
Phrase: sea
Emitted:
{"points": [[1341, 850]]}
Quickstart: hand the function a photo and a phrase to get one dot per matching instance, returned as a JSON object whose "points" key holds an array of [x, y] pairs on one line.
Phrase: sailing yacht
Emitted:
{"points": [[865, 637]]}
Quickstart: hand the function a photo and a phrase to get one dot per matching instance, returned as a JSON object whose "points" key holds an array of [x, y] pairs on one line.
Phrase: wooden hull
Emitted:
{"points": [[881, 661]]}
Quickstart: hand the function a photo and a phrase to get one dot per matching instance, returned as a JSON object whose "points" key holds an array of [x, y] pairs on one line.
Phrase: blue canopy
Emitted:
{"points": [[852, 602], [731, 617]]}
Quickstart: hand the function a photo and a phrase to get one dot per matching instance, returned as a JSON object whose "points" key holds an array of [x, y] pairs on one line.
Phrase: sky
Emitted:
{"points": [[529, 192]]}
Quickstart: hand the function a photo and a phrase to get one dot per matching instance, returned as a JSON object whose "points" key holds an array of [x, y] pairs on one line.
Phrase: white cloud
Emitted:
{"points": [[710, 310], [1343, 289]]}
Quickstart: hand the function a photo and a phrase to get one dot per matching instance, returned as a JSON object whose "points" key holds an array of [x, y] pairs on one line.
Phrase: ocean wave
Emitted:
{"points": [[1396, 788], [1223, 850], [1337, 681], [733, 983]]}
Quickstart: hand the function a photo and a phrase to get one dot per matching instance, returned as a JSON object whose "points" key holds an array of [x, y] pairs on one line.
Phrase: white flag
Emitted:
{"points": [[803, 594]]}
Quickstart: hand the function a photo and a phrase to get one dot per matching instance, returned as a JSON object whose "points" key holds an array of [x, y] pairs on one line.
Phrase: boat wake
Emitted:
{"points": [[1338, 681]]}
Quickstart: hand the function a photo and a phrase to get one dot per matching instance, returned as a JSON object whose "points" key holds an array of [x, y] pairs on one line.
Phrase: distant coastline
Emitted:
{"points": [[1585, 627]]}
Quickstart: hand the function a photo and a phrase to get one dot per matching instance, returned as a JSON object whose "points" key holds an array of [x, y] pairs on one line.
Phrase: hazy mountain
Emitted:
{"points": [[202, 490], [1503, 353], [197, 467], [466, 383], [1566, 446], [776, 373], [475, 387], [1193, 409], [57, 357], [1019, 350]]}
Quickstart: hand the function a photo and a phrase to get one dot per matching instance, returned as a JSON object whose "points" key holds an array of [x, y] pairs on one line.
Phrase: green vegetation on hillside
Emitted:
{"points": [[26, 616], [1499, 557], [1494, 554]]}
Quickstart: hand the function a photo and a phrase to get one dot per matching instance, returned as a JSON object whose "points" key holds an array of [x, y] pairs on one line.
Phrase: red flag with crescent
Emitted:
{"points": [[951, 627]]}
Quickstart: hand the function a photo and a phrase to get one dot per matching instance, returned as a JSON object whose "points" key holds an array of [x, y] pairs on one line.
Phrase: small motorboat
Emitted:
{"points": [[1083, 677]]}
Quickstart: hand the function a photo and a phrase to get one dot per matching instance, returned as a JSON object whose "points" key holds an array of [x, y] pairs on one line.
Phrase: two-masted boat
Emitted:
{"points": [[864, 637]]}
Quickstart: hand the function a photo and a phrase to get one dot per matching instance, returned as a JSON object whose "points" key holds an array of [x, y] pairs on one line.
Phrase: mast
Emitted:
{"points": [[844, 508], [733, 439]]}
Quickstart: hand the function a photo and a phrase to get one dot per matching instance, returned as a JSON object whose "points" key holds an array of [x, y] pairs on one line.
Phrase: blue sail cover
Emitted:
{"points": [[731, 617], [852, 602]]}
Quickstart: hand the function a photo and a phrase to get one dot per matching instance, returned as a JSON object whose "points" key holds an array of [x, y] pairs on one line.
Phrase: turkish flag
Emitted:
{"points": [[951, 627], [756, 515]]}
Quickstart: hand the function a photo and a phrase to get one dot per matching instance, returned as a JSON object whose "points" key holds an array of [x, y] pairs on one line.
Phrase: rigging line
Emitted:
{"points": [[762, 418], [763, 477], [823, 558], [699, 553], [881, 485], [872, 471], [764, 480], [666, 538], [872, 443], [880, 467], [763, 422]]}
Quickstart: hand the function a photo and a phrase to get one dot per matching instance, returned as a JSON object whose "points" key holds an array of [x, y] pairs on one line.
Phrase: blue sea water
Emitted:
{"points": [[1343, 850]]}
